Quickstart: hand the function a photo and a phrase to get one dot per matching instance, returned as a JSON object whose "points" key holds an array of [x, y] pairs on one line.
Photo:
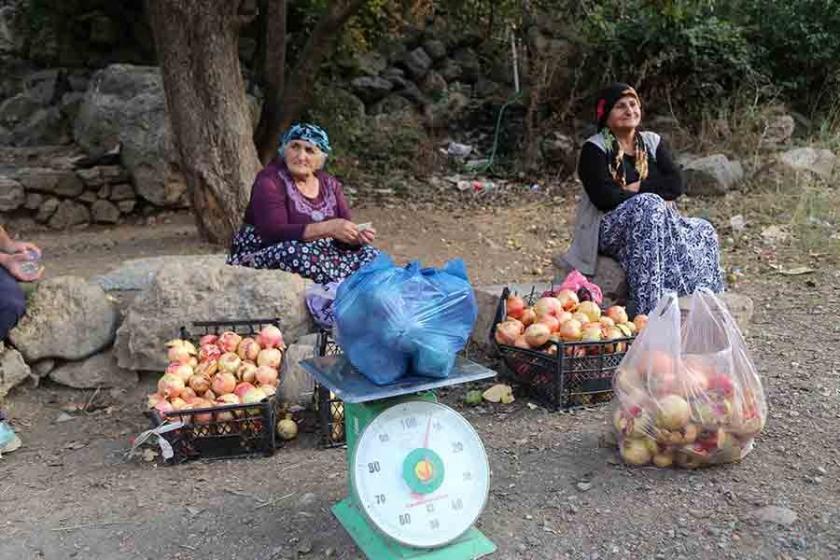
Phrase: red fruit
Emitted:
{"points": [[722, 384], [515, 306]]}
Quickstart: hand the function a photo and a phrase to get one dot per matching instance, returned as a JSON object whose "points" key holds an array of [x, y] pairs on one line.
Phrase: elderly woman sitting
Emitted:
{"points": [[297, 219], [630, 180]]}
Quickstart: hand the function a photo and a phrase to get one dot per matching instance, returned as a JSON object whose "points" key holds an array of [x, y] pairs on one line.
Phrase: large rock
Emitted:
{"points": [[69, 213], [12, 195], [138, 274], [371, 88], [371, 63], [104, 212], [820, 162], [66, 318], [417, 62], [181, 293], [43, 86], [17, 110], [125, 105], [100, 370], [778, 130], [296, 384], [435, 49], [62, 182], [13, 370], [44, 126], [712, 175]]}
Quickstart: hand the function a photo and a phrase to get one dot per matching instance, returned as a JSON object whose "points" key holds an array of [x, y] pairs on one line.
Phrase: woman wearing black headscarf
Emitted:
{"points": [[629, 178]]}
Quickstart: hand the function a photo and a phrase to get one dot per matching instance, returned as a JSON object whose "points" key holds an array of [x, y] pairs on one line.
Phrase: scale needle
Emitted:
{"points": [[428, 429]]}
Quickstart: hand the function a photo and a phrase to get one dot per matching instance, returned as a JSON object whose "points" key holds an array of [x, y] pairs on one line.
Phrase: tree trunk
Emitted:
{"points": [[286, 103], [197, 44], [274, 77]]}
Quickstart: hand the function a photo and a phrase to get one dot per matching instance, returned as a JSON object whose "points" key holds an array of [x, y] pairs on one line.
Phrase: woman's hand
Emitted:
{"points": [[633, 187], [367, 236], [344, 231], [15, 247], [14, 263]]}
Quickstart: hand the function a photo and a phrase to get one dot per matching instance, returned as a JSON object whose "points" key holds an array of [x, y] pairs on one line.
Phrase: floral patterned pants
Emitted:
{"points": [[660, 250], [322, 260]]}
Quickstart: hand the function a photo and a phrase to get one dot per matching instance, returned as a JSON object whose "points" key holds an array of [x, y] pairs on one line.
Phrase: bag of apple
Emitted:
{"points": [[687, 392]]}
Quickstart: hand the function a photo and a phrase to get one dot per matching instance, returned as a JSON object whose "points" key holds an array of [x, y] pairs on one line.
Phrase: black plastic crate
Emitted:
{"points": [[575, 374], [223, 432], [330, 409]]}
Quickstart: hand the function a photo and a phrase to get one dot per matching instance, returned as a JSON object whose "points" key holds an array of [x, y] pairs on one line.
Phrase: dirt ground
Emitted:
{"points": [[555, 491]]}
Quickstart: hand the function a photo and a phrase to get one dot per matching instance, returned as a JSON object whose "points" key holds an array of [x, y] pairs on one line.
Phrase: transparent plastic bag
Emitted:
{"points": [[392, 320], [687, 392]]}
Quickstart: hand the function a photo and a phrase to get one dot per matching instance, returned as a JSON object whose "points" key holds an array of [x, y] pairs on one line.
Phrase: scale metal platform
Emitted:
{"points": [[418, 473]]}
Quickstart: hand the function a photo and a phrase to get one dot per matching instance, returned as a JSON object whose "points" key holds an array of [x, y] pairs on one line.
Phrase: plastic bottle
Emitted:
{"points": [[32, 264]]}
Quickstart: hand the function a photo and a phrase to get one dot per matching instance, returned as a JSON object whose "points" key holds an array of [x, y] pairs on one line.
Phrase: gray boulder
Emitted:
{"points": [[33, 201], [124, 105], [46, 210], [65, 318], [17, 110], [100, 370], [104, 212], [391, 104], [138, 274], [371, 88], [433, 85], [69, 213], [296, 384], [819, 161], [62, 182], [13, 370], [450, 70], [417, 62], [559, 150], [122, 191], [12, 195], [778, 131], [43, 86], [435, 49], [713, 175], [183, 292]]}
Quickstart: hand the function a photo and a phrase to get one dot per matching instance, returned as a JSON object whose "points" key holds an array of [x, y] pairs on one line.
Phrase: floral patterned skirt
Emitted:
{"points": [[322, 260], [660, 250]]}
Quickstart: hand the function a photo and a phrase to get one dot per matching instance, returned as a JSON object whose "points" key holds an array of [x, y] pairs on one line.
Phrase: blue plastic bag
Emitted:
{"points": [[392, 321]]}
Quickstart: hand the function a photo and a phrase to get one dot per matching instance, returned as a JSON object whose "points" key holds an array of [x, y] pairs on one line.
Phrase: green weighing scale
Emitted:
{"points": [[418, 473]]}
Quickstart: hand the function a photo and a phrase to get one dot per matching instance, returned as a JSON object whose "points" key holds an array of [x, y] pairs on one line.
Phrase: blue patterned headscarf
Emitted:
{"points": [[311, 133]]}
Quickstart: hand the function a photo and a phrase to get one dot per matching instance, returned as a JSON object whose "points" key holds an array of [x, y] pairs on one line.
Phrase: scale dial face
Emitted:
{"points": [[420, 474]]}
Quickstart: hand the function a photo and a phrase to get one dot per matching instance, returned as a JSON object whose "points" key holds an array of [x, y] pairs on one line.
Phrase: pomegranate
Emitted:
{"points": [[674, 413], [636, 451], [183, 371], [590, 309], [269, 389], [178, 403], [270, 357], [663, 460], [188, 394], [617, 313], [199, 383], [520, 342], [508, 331], [248, 349], [563, 316], [591, 332], [247, 372], [528, 316], [606, 321], [570, 330], [223, 382], [228, 398], [640, 321], [153, 400], [537, 334], [209, 352], [207, 339], [229, 362], [203, 417], [287, 428], [567, 298], [241, 389], [548, 306], [515, 306], [179, 354], [721, 384], [164, 407], [271, 337], [209, 395], [549, 321], [267, 375], [170, 385], [581, 318], [228, 341]]}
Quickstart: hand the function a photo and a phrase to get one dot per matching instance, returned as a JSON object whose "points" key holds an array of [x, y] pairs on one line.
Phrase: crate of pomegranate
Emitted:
{"points": [[220, 385], [563, 350]]}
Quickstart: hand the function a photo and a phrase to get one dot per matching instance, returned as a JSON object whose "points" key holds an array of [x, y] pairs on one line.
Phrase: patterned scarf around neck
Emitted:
{"points": [[615, 157]]}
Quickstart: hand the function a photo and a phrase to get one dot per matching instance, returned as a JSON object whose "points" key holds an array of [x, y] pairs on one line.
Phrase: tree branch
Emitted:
{"points": [[284, 104]]}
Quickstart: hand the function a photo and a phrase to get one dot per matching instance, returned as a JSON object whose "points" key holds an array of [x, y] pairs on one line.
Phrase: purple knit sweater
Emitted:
{"points": [[280, 212]]}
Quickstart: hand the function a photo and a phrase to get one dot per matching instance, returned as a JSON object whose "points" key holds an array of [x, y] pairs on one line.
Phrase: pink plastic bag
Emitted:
{"points": [[575, 281]]}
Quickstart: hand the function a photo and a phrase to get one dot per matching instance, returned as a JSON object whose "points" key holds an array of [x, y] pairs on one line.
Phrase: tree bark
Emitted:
{"points": [[285, 104], [273, 74], [197, 44]]}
